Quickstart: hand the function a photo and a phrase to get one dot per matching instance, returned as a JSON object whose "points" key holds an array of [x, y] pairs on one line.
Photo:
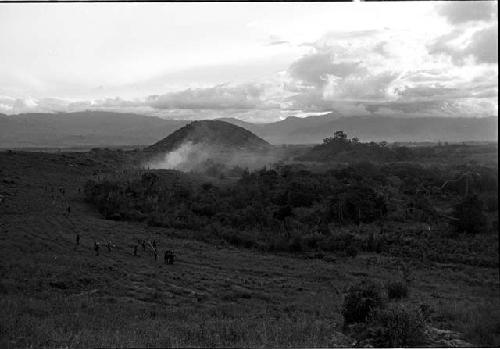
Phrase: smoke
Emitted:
{"points": [[185, 158], [201, 157]]}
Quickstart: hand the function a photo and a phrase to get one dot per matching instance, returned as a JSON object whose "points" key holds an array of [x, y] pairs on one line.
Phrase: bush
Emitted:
{"points": [[360, 300], [351, 251], [398, 326], [339, 242], [295, 245], [397, 290], [470, 216], [373, 244]]}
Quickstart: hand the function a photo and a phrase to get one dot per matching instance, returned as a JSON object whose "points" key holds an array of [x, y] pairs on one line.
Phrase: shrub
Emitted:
{"points": [[470, 216], [311, 240], [295, 245], [373, 244], [338, 242], [397, 290], [360, 300], [398, 326], [351, 251]]}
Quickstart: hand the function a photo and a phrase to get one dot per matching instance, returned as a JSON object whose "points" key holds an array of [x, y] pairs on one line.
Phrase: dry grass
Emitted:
{"points": [[479, 323]]}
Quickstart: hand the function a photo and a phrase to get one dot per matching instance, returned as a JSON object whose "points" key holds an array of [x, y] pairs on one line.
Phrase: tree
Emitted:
{"points": [[340, 135]]}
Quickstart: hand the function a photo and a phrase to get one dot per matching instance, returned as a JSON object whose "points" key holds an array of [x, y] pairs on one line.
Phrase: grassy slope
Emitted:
{"points": [[213, 295]]}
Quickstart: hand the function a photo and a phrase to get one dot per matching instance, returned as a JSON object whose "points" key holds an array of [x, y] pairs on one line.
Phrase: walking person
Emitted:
{"points": [[96, 248]]}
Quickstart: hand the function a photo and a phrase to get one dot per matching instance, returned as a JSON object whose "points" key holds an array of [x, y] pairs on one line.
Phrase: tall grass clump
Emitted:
{"points": [[398, 325], [361, 299]]}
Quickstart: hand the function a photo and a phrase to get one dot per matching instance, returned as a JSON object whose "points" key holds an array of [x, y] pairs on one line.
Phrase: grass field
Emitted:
{"points": [[56, 295]]}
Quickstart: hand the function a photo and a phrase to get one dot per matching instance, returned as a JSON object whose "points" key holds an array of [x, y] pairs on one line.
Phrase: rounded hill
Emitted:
{"points": [[213, 133]]}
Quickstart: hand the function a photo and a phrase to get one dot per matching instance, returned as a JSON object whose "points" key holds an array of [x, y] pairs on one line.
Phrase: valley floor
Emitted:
{"points": [[56, 295]]}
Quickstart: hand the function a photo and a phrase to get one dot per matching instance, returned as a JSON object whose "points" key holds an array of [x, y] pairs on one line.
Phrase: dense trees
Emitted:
{"points": [[286, 204]]}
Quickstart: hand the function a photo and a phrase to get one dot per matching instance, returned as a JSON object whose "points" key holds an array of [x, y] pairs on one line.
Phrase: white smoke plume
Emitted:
{"points": [[197, 157]]}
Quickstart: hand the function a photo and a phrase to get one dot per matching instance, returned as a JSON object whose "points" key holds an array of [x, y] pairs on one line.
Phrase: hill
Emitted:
{"points": [[342, 149], [201, 145], [215, 133]]}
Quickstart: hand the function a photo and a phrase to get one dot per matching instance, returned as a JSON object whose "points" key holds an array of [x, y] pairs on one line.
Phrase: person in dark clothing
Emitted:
{"points": [[135, 250], [77, 239], [169, 257], [96, 248]]}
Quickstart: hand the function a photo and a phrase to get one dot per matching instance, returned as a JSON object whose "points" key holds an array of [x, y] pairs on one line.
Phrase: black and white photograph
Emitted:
{"points": [[249, 174]]}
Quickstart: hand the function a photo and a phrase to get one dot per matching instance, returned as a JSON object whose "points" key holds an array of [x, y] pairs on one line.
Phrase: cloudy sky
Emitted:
{"points": [[254, 61]]}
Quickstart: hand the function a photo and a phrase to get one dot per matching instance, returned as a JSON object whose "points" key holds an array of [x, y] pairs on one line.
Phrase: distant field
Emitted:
{"points": [[71, 149]]}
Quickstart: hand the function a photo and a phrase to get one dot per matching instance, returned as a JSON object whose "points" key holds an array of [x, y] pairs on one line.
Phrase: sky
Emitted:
{"points": [[258, 62]]}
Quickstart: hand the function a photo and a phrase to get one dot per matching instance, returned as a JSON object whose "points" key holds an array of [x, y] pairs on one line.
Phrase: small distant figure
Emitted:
{"points": [[154, 244], [135, 250], [169, 257], [68, 210], [155, 252], [108, 245], [96, 248], [77, 239], [143, 243]]}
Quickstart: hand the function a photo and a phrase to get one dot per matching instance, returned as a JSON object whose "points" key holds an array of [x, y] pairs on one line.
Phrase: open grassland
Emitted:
{"points": [[56, 295]]}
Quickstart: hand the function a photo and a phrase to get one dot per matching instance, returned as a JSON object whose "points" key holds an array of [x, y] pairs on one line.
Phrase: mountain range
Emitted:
{"points": [[97, 128]]}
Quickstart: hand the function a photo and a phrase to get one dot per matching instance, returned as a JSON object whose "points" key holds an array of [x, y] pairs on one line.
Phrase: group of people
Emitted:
{"points": [[168, 256], [97, 245]]}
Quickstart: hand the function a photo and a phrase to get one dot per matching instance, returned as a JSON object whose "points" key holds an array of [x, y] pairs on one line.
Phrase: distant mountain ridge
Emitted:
{"points": [[313, 129], [96, 128], [83, 129]]}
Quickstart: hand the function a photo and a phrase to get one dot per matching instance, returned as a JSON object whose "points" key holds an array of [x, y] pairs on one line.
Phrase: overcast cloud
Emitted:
{"points": [[257, 62]]}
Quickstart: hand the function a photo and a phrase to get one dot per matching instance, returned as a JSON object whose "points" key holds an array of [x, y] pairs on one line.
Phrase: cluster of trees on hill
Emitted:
{"points": [[285, 207], [344, 149]]}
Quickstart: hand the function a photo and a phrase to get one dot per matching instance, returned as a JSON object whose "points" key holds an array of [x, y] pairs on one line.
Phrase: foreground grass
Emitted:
{"points": [[60, 321], [214, 295], [479, 323]]}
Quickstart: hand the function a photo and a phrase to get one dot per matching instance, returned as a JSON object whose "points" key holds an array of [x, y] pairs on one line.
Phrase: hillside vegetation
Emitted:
{"points": [[297, 254], [340, 148]]}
